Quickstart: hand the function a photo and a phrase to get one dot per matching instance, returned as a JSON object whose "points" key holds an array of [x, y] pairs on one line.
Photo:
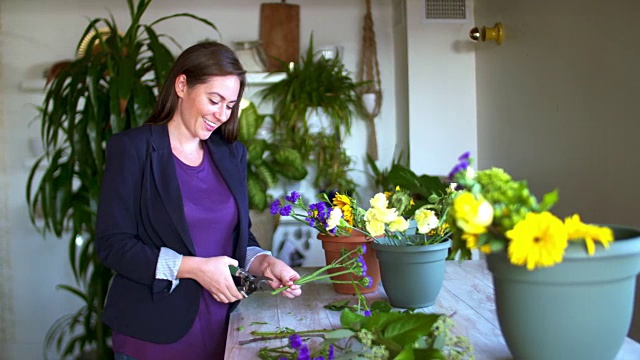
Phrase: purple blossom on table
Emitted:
{"points": [[331, 355], [293, 197], [295, 341], [304, 353]]}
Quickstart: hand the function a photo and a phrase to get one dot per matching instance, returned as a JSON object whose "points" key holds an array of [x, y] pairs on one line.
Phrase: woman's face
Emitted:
{"points": [[203, 108]]}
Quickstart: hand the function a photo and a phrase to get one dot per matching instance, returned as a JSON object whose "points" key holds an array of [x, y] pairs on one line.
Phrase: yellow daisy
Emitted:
{"points": [[343, 202], [537, 241], [577, 230]]}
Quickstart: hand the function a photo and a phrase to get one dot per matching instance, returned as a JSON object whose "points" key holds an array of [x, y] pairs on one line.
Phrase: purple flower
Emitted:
{"points": [[364, 249], [331, 353], [366, 281], [304, 354], [286, 210], [465, 156], [319, 358], [461, 166], [362, 265], [275, 207], [367, 313], [293, 198], [295, 341]]}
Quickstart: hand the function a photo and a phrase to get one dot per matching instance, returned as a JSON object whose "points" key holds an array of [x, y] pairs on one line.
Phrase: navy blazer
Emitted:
{"points": [[141, 210]]}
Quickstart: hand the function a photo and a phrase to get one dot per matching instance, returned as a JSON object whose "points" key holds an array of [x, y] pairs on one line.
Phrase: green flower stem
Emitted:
{"points": [[317, 274], [287, 334]]}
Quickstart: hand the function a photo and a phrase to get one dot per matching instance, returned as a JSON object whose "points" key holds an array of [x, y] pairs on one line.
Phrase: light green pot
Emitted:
{"points": [[412, 276], [578, 309]]}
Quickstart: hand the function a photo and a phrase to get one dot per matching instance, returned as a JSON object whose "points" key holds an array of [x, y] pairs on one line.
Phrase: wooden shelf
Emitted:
{"points": [[262, 78]]}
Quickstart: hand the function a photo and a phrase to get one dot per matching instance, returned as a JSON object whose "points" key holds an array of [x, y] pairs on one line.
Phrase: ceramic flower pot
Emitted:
{"points": [[578, 309], [412, 276], [333, 245]]}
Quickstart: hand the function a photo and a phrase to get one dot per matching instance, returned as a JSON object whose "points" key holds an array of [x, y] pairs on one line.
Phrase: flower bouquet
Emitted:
{"points": [[340, 228], [563, 288], [493, 213]]}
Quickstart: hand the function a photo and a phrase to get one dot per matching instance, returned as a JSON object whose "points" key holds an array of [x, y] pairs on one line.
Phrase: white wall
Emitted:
{"points": [[442, 103], [34, 34]]}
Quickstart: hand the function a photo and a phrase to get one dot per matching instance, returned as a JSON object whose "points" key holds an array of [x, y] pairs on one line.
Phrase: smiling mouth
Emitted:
{"points": [[210, 123]]}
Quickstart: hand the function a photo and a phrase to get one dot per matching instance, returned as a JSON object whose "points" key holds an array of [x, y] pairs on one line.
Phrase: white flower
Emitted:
{"points": [[426, 220], [470, 174], [334, 218]]}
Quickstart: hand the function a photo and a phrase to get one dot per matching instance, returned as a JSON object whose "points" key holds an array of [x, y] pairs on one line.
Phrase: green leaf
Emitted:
{"points": [[548, 200], [381, 306], [339, 334], [351, 320], [338, 305]]}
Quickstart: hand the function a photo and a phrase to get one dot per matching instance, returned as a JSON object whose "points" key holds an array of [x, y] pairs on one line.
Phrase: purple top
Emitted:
{"points": [[211, 215]]}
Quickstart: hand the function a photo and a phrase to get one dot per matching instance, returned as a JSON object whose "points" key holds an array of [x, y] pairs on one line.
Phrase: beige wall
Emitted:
{"points": [[558, 103]]}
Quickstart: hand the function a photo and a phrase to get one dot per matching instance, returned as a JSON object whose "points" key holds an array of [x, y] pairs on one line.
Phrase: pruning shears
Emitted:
{"points": [[249, 283]]}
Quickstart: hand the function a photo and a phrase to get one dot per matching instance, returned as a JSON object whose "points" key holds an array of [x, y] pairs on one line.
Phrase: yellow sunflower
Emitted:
{"points": [[343, 202], [537, 241], [577, 230]]}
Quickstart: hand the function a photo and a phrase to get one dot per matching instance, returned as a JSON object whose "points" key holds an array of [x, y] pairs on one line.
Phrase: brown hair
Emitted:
{"points": [[199, 63]]}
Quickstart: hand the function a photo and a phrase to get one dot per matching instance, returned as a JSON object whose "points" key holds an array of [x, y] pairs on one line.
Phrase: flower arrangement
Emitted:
{"points": [[383, 334], [383, 219], [493, 213]]}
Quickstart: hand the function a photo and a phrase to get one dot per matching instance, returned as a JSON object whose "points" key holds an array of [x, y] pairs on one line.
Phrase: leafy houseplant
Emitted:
{"points": [[267, 160], [312, 84], [547, 272], [110, 88]]}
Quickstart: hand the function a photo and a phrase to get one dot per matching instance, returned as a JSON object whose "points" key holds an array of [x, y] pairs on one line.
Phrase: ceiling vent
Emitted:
{"points": [[445, 10]]}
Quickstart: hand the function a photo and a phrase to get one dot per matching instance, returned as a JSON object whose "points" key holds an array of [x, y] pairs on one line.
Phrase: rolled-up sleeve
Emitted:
{"points": [[252, 253], [168, 265]]}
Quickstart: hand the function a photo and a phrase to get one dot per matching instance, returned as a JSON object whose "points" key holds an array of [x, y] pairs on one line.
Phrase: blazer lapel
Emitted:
{"points": [[228, 164], [166, 180]]}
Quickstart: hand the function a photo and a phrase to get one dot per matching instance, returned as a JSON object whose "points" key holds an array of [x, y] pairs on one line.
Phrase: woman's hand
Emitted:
{"points": [[281, 273], [213, 274]]}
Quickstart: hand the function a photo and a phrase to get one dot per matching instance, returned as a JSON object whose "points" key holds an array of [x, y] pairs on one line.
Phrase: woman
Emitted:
{"points": [[173, 215]]}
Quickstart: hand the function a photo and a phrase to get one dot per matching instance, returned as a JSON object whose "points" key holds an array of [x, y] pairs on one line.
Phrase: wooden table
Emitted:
{"points": [[467, 293]]}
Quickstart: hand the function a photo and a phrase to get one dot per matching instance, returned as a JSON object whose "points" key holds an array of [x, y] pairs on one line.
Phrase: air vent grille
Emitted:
{"points": [[445, 10]]}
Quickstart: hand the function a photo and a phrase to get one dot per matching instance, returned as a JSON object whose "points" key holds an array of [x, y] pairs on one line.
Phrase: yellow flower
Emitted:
{"points": [[577, 230], [383, 215], [537, 241], [334, 218], [379, 201], [472, 215], [344, 203], [472, 243], [399, 224], [426, 220], [375, 227]]}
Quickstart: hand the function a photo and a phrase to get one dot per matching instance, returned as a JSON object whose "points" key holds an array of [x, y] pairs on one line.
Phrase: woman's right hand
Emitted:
{"points": [[213, 274]]}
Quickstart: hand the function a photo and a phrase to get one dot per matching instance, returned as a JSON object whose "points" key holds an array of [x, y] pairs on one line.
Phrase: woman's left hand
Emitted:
{"points": [[281, 273]]}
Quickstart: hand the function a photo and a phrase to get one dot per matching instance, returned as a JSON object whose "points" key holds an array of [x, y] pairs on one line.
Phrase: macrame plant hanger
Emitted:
{"points": [[370, 72]]}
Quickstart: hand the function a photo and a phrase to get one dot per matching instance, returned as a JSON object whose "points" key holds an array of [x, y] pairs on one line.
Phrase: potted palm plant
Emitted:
{"points": [[267, 163], [314, 105], [110, 87]]}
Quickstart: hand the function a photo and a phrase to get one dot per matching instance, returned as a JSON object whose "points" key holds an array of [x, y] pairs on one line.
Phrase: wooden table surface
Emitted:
{"points": [[467, 293]]}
